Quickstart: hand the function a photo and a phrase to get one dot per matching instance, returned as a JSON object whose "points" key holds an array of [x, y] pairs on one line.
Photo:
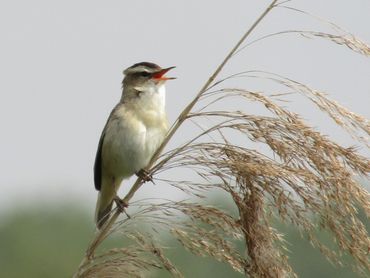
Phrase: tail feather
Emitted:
{"points": [[103, 209], [107, 193]]}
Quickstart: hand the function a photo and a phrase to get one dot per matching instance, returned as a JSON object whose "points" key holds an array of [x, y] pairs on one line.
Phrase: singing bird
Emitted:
{"points": [[135, 128]]}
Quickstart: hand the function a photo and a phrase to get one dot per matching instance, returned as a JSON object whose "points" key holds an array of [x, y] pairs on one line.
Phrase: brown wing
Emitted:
{"points": [[98, 158], [98, 163]]}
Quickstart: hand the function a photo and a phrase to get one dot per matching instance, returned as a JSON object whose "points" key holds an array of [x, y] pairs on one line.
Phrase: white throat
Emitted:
{"points": [[152, 97]]}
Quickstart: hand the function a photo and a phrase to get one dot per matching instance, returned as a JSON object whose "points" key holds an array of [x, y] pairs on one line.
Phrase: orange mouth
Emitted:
{"points": [[159, 75]]}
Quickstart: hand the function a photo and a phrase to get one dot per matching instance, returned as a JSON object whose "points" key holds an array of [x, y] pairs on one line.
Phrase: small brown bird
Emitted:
{"points": [[135, 128]]}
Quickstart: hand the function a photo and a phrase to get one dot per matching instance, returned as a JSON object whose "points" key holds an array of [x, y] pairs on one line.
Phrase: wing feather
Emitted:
{"points": [[98, 163], [98, 166]]}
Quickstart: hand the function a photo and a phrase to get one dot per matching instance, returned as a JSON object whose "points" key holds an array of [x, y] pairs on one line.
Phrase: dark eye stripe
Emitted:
{"points": [[144, 74]]}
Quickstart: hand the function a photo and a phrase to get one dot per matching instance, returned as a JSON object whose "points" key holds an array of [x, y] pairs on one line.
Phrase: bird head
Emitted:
{"points": [[145, 76]]}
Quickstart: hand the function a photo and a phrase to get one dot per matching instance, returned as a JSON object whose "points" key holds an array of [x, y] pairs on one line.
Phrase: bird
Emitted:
{"points": [[133, 132]]}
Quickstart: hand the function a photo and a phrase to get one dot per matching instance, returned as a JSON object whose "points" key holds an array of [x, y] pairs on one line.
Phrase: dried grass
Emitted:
{"points": [[134, 261], [303, 176]]}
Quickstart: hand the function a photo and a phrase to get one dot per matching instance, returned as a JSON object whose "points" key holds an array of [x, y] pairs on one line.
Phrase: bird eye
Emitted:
{"points": [[144, 74]]}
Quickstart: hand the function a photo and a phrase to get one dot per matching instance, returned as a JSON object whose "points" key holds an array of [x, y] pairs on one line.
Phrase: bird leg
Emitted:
{"points": [[121, 206], [145, 176]]}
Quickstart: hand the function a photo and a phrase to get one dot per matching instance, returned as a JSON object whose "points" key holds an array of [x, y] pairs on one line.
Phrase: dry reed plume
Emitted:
{"points": [[304, 179]]}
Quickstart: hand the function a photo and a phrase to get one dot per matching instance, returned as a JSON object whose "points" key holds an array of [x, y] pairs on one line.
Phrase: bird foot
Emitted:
{"points": [[145, 176], [121, 206]]}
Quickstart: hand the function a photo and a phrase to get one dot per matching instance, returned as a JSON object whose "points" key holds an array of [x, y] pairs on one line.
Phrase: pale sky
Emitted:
{"points": [[62, 62]]}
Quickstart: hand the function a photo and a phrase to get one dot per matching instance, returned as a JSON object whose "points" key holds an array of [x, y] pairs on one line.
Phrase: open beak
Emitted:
{"points": [[159, 75]]}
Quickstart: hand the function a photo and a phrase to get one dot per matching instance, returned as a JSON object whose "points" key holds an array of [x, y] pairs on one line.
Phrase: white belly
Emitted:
{"points": [[129, 145], [135, 130]]}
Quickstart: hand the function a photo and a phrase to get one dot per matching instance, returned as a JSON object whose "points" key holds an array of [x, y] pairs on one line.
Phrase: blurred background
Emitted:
{"points": [[61, 69]]}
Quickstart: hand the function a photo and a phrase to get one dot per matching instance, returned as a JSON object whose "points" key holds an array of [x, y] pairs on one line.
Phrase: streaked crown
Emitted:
{"points": [[142, 67], [145, 72]]}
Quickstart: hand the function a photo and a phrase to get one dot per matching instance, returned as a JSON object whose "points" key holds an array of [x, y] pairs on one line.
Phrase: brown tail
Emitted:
{"points": [[103, 208]]}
